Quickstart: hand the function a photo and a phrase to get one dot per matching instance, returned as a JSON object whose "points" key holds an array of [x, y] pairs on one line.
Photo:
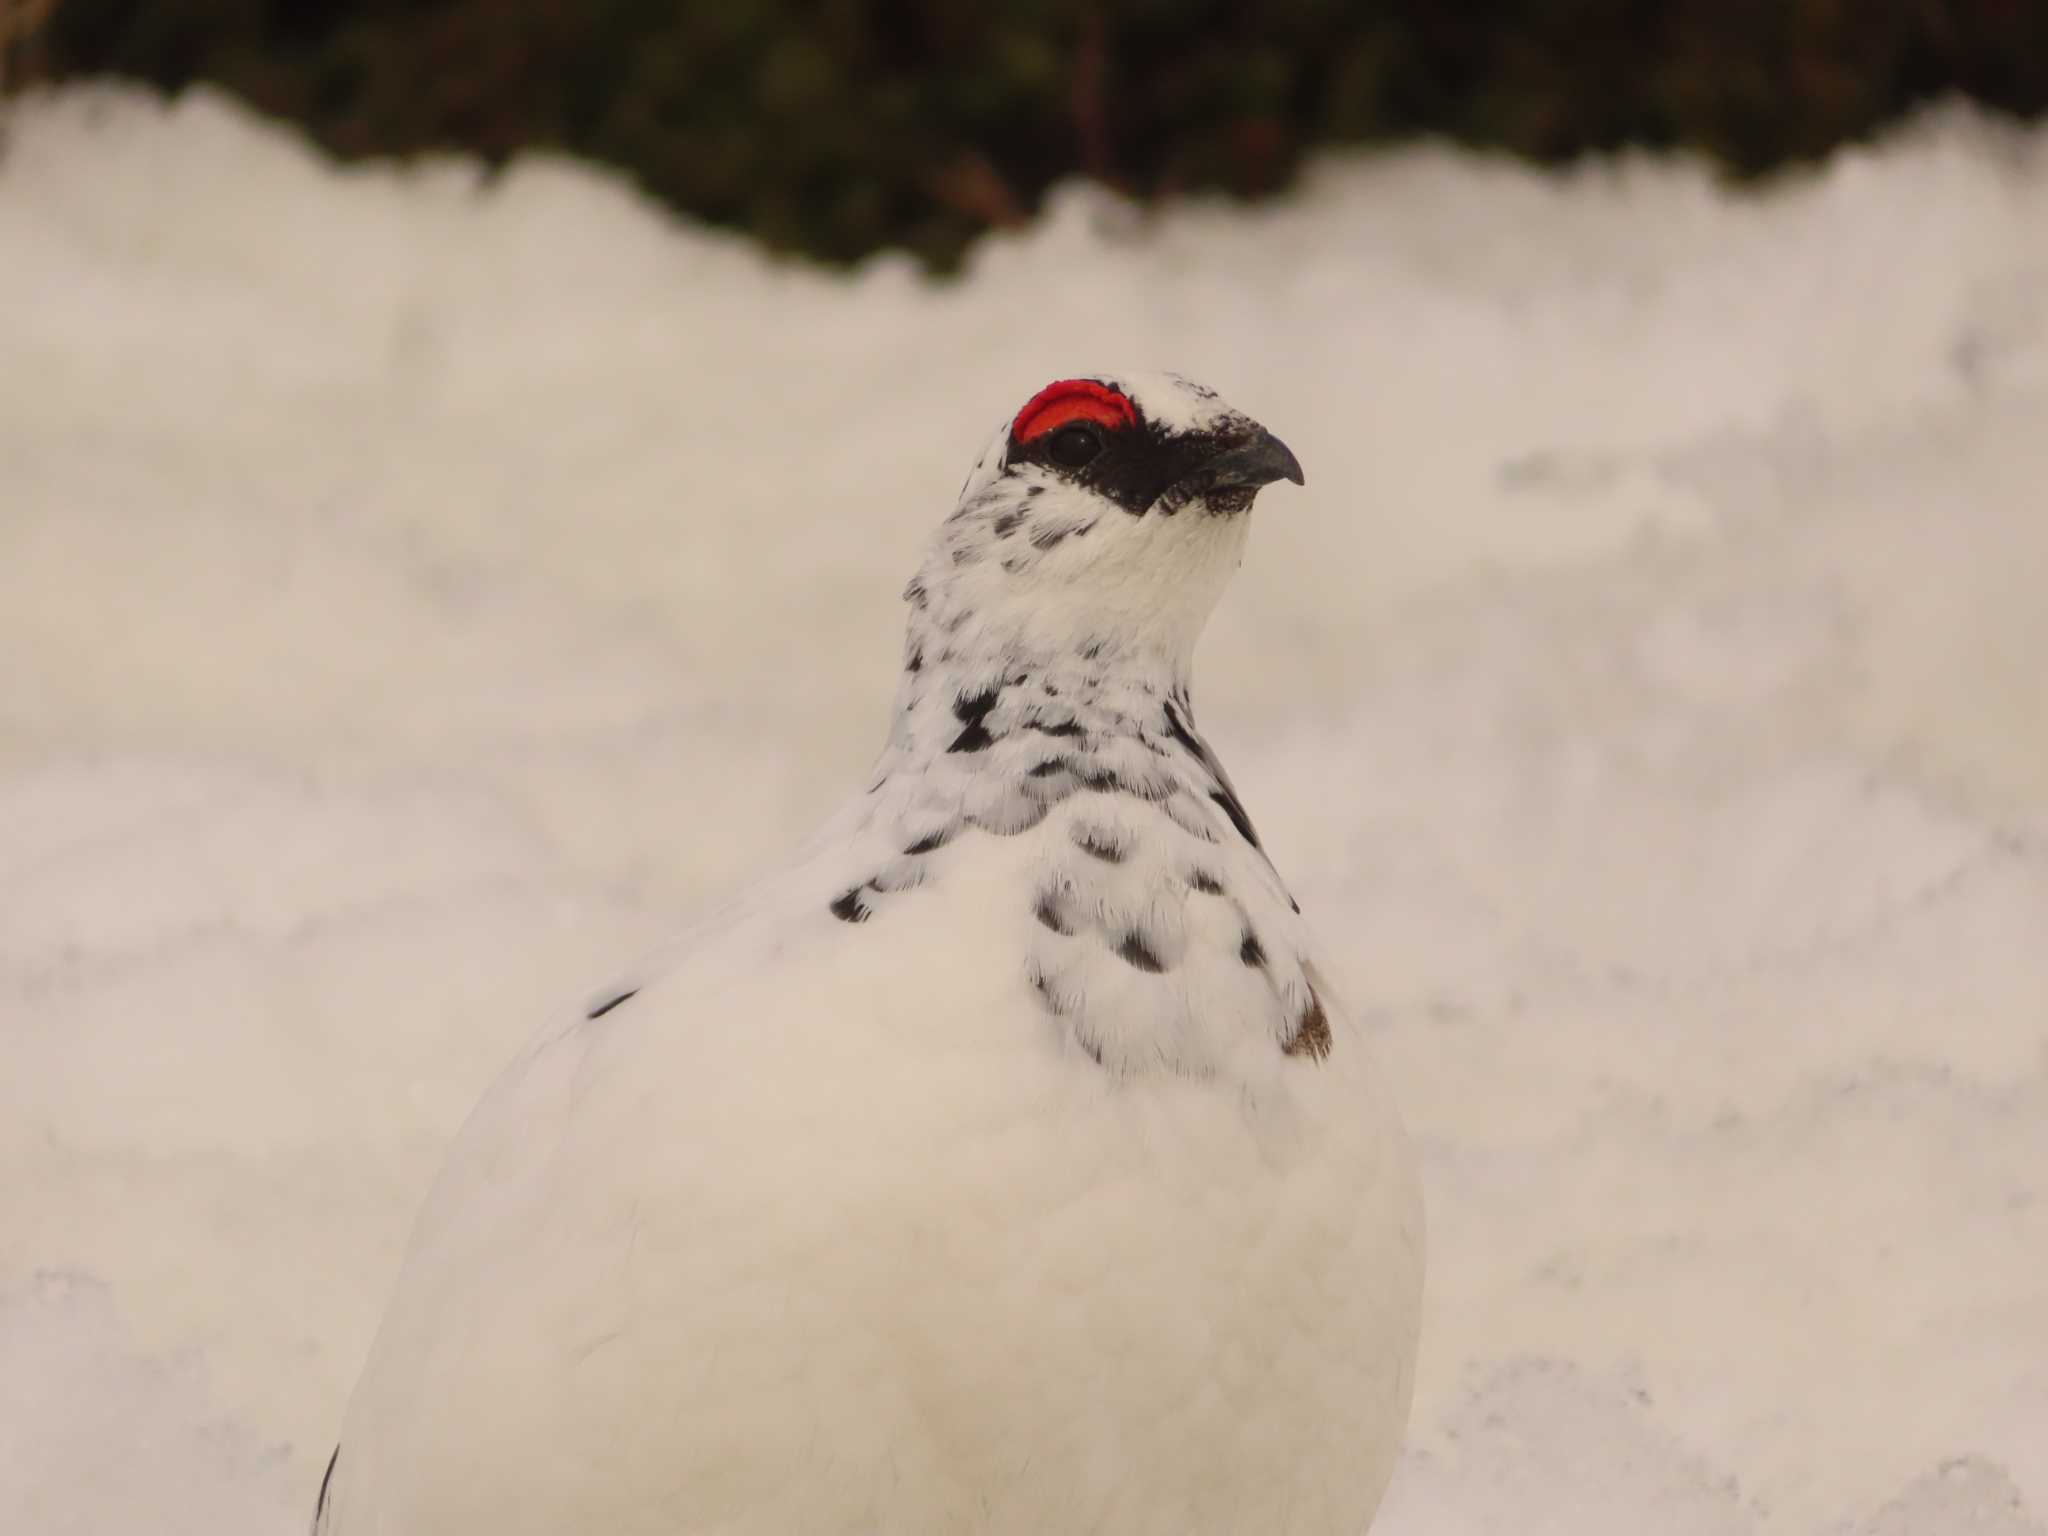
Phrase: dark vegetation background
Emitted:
{"points": [[839, 127]]}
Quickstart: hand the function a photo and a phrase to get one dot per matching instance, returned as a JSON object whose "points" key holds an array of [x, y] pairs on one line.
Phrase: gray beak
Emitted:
{"points": [[1258, 460]]}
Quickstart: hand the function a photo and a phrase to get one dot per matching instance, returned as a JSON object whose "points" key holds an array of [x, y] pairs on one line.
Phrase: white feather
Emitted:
{"points": [[970, 1174]]}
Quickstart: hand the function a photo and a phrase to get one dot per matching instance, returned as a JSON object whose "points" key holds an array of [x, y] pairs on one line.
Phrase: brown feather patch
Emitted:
{"points": [[1312, 1034]]}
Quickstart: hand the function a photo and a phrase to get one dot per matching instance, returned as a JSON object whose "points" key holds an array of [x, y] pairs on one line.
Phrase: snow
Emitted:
{"points": [[419, 593]]}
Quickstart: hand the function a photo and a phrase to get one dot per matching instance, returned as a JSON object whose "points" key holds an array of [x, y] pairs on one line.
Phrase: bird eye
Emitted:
{"points": [[1073, 446]]}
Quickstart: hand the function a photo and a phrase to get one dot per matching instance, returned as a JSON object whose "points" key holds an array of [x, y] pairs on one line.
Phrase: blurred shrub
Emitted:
{"points": [[838, 127]]}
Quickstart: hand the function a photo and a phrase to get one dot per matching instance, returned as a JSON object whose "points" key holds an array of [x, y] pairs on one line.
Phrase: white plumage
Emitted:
{"points": [[1006, 1163]]}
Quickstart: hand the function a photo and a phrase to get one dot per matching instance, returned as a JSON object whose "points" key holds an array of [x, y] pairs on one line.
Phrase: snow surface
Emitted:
{"points": [[419, 593]]}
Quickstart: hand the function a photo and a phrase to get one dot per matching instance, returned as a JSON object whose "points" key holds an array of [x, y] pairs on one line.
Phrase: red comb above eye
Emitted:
{"points": [[1071, 400]]}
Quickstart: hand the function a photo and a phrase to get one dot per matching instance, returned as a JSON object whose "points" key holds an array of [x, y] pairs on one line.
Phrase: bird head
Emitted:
{"points": [[1104, 516]]}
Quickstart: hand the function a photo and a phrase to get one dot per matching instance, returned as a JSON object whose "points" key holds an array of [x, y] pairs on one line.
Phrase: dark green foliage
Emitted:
{"points": [[841, 126]]}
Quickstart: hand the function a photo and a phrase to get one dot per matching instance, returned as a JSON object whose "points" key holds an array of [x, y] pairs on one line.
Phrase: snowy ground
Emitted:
{"points": [[416, 596]]}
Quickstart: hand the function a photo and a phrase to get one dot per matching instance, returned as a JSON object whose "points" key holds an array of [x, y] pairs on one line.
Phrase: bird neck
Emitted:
{"points": [[966, 680], [1058, 588], [1153, 929]]}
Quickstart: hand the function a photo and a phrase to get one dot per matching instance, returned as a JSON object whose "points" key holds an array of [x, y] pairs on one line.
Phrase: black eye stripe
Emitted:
{"points": [[1133, 464]]}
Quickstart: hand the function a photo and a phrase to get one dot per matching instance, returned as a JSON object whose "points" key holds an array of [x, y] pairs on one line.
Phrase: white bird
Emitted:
{"points": [[1006, 1163]]}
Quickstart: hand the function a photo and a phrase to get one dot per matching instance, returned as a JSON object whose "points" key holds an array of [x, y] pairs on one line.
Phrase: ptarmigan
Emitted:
{"points": [[1008, 1162]]}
